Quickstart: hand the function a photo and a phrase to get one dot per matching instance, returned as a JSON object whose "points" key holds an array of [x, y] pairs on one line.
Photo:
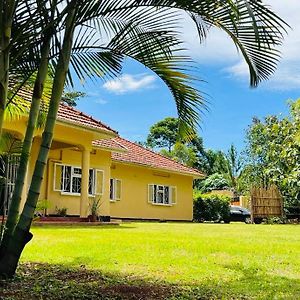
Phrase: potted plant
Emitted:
{"points": [[94, 206]]}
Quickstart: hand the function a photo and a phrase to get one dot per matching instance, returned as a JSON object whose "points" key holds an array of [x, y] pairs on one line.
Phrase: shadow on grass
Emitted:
{"points": [[44, 281], [85, 226]]}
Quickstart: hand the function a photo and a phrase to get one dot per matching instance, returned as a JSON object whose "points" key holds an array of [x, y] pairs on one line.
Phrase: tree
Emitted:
{"points": [[215, 182], [182, 154], [72, 97], [214, 161], [234, 166], [151, 40], [273, 154], [164, 134]]}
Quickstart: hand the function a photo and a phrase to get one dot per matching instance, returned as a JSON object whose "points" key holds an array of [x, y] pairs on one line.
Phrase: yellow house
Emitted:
{"points": [[88, 159]]}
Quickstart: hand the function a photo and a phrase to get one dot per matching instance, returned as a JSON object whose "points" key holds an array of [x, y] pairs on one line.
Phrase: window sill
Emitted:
{"points": [[161, 204], [114, 200], [75, 194]]}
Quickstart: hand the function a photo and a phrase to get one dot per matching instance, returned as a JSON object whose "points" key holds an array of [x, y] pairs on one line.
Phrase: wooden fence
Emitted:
{"points": [[266, 203]]}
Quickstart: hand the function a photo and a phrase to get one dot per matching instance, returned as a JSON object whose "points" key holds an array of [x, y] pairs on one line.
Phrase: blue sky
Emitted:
{"points": [[138, 98]]}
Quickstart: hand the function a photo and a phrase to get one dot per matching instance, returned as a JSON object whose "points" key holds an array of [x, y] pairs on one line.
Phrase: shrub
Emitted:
{"points": [[274, 220], [215, 182], [62, 212], [211, 207], [42, 207]]}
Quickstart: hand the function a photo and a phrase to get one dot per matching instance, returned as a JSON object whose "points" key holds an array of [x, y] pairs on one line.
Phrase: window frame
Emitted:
{"points": [[76, 175], [113, 187], [155, 189]]}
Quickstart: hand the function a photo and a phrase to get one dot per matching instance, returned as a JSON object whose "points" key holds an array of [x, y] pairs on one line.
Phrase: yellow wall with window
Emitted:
{"points": [[100, 160], [131, 194], [134, 199]]}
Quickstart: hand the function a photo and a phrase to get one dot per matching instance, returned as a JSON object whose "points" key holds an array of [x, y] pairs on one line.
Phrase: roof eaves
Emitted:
{"points": [[73, 124], [195, 175]]}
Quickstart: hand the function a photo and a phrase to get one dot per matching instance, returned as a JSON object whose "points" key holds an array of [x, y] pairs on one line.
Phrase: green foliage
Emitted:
{"points": [[163, 134], [215, 182], [71, 97], [214, 162], [9, 144], [273, 151], [274, 220], [234, 166], [42, 206], [94, 205], [182, 154], [62, 212], [211, 207]]}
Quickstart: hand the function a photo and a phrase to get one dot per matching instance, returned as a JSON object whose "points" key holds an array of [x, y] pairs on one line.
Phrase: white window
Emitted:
{"points": [[67, 179], [115, 189], [162, 194]]}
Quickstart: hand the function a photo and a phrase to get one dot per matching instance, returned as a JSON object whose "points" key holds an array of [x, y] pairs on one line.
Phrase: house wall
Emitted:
{"points": [[134, 194], [99, 160]]}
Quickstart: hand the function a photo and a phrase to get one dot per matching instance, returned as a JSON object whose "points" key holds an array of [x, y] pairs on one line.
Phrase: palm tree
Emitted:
{"points": [[38, 89], [18, 33], [147, 31]]}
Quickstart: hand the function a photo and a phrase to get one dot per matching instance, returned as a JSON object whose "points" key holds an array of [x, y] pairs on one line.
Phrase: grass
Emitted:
{"points": [[164, 261]]}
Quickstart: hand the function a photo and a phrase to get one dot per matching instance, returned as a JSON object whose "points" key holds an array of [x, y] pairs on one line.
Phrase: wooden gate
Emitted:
{"points": [[266, 203]]}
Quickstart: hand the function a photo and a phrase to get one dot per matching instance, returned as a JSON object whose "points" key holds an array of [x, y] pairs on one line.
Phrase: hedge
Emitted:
{"points": [[211, 207]]}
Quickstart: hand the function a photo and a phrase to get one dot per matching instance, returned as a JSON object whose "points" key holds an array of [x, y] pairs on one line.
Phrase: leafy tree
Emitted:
{"points": [[182, 154], [214, 162], [215, 182], [234, 166], [151, 40], [72, 97], [164, 134], [273, 151]]}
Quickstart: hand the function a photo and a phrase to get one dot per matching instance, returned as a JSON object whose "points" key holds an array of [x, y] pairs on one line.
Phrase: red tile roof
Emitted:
{"points": [[137, 154], [126, 151], [69, 114]]}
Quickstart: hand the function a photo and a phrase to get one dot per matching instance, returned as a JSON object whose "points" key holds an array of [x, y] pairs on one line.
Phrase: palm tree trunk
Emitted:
{"points": [[6, 18], [21, 235], [13, 212]]}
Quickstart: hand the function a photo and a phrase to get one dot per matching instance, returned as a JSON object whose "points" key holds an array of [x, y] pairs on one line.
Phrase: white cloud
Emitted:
{"points": [[287, 76], [127, 83], [100, 101], [218, 49]]}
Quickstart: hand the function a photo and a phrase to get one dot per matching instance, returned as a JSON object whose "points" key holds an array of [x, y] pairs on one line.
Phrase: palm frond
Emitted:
{"points": [[9, 144]]}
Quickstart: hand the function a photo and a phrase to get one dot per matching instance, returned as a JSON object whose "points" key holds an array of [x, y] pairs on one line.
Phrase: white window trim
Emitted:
{"points": [[152, 197], [95, 170], [115, 199]]}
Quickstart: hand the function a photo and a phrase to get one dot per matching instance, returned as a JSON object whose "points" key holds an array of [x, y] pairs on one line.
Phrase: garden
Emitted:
{"points": [[159, 261]]}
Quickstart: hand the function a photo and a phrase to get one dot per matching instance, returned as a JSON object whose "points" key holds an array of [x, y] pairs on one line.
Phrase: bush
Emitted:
{"points": [[215, 182], [211, 207], [274, 220], [62, 212]]}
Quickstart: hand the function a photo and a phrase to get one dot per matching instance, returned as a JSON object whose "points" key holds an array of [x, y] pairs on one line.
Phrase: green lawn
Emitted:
{"points": [[208, 261]]}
